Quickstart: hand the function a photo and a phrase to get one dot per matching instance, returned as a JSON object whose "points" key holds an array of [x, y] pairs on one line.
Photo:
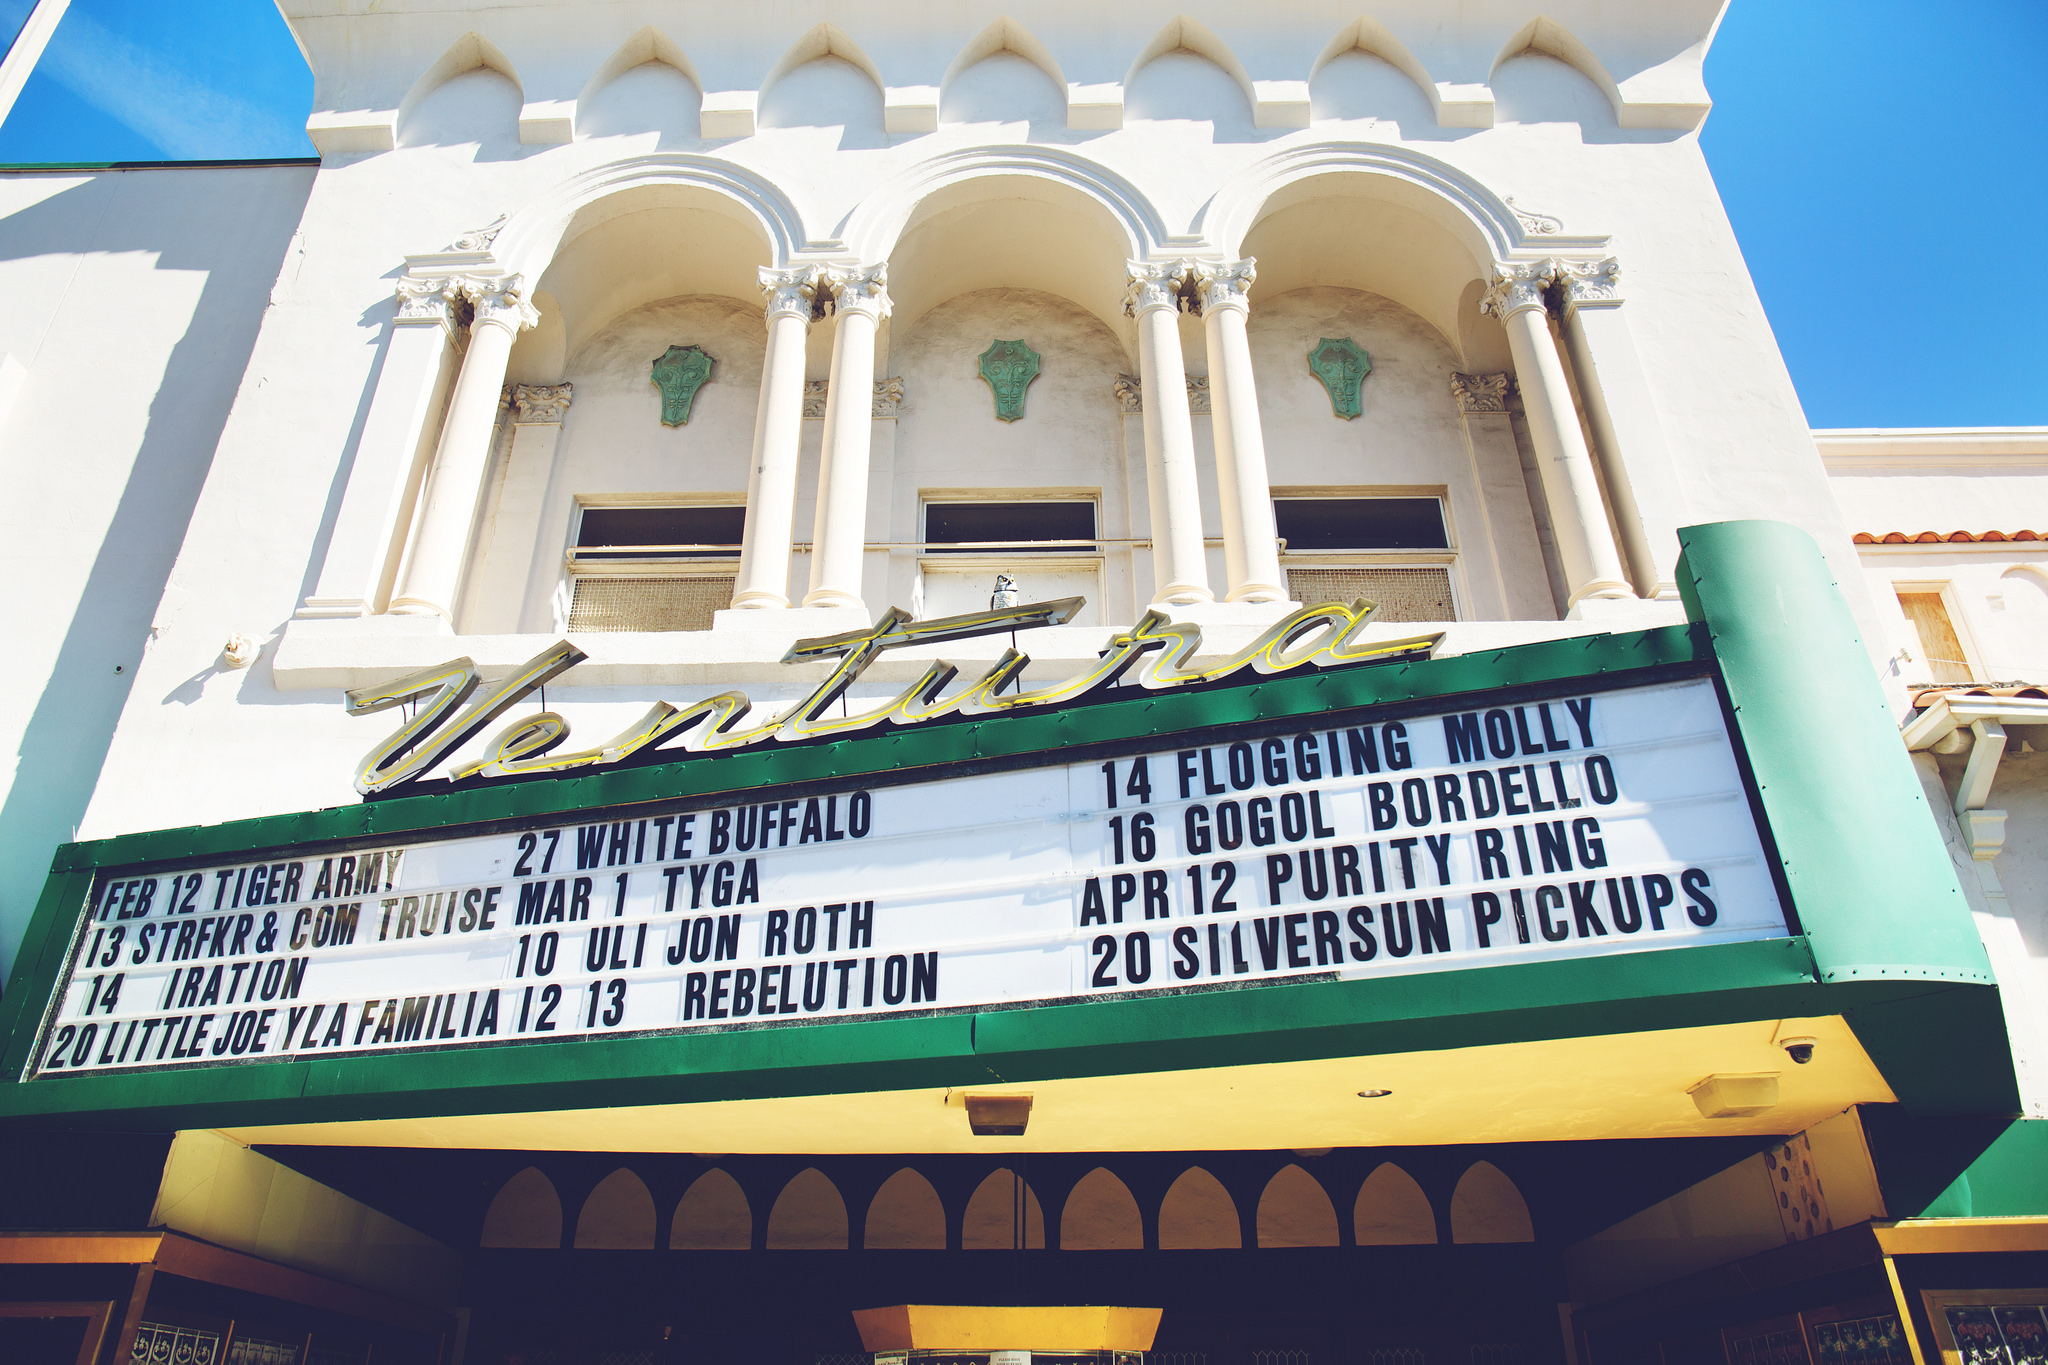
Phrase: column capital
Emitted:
{"points": [[427, 301], [862, 289], [1589, 284], [540, 403], [1151, 285], [1224, 284], [1517, 288], [1480, 392], [499, 301], [789, 292]]}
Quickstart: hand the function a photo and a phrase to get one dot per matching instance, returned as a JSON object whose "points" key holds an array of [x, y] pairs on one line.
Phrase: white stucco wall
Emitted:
{"points": [[1005, 170], [133, 298]]}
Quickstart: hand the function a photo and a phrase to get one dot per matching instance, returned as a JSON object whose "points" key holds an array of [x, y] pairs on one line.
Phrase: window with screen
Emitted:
{"points": [[1390, 550], [652, 568], [1009, 527]]}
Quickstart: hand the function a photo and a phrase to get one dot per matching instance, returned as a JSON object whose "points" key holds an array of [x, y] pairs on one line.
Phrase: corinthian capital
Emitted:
{"points": [[534, 404], [860, 289], [1223, 284], [1480, 392], [1153, 284], [789, 292], [1589, 284], [1517, 287], [500, 301], [422, 301]]}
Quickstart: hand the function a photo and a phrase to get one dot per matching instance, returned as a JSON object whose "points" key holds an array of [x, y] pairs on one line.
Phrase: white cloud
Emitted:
{"points": [[184, 117]]}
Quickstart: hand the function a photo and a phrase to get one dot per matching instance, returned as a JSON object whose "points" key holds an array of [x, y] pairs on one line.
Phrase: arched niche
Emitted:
{"points": [[809, 1215], [1392, 1210], [1187, 72], [1357, 84], [618, 1215], [1486, 1207], [1101, 1215], [1009, 232], [905, 1215], [470, 94], [1535, 87], [526, 1213], [713, 1215], [1295, 1211], [1004, 75], [1198, 1214], [990, 1223], [652, 242]]}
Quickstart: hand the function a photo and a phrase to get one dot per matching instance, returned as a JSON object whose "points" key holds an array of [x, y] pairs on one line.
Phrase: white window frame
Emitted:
{"points": [[1447, 558], [993, 562], [649, 566]]}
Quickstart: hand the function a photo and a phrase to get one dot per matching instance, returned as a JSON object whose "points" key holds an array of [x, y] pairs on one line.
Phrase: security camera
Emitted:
{"points": [[1800, 1050]]}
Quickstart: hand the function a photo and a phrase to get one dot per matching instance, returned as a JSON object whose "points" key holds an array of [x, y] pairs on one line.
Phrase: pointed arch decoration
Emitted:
{"points": [[1198, 1214], [526, 1213], [809, 1214], [1675, 91], [1101, 1215], [713, 1215], [1006, 35], [1487, 1207], [650, 44], [1295, 1211], [468, 53], [905, 1215], [617, 1216], [1456, 106], [1392, 1210], [990, 1223]]}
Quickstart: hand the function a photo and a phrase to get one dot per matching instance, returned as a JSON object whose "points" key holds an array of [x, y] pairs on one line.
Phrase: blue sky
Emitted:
{"points": [[1883, 162]]}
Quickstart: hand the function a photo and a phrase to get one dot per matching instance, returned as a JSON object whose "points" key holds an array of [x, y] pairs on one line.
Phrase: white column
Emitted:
{"points": [[448, 505], [506, 545], [1628, 435], [1251, 551], [411, 382], [1519, 583], [1152, 297], [763, 579], [1571, 489], [860, 302]]}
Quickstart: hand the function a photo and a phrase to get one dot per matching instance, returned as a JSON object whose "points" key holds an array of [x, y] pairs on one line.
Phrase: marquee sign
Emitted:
{"points": [[1593, 822]]}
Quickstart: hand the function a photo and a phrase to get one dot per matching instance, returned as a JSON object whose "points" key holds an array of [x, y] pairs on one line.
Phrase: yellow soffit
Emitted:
{"points": [[934, 1327], [1624, 1085]]}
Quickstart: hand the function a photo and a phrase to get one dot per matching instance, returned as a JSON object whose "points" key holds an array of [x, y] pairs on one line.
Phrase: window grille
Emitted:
{"points": [[1280, 1358], [160, 1343], [1176, 1358], [1503, 1353], [250, 1350], [616, 604], [1393, 1355], [1404, 594]]}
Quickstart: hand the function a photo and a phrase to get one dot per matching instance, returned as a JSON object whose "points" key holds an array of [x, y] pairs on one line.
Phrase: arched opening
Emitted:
{"points": [[991, 1222], [713, 1215], [1392, 1210], [526, 1213], [1295, 1211], [1486, 1207], [809, 1215], [905, 1215], [618, 1215], [1101, 1215], [1198, 1214]]}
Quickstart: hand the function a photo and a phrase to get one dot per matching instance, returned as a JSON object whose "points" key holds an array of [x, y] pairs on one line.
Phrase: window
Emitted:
{"points": [[1047, 545], [652, 568], [1937, 648], [1009, 527], [1395, 551]]}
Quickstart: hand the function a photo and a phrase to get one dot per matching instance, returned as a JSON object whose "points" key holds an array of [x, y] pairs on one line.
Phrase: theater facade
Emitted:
{"points": [[768, 665]]}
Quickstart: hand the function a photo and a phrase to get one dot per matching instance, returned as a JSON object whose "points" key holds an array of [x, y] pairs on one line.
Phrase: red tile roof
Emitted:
{"points": [[1926, 696], [1939, 537]]}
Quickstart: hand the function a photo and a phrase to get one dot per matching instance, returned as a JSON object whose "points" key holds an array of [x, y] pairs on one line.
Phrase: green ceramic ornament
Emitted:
{"points": [[1009, 367], [679, 372], [1342, 365]]}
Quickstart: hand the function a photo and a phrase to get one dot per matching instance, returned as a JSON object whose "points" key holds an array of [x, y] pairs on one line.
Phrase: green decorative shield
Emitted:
{"points": [[1342, 365], [1009, 367], [679, 372]]}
